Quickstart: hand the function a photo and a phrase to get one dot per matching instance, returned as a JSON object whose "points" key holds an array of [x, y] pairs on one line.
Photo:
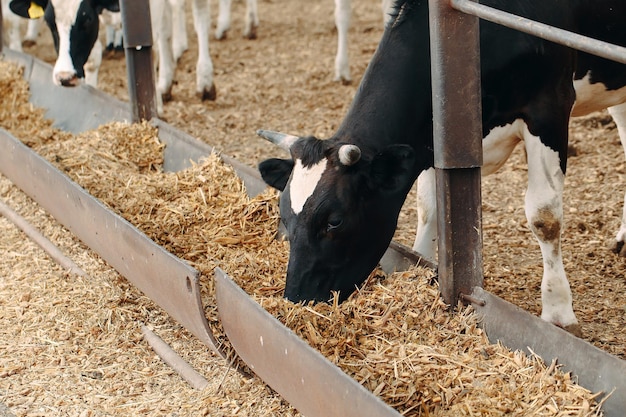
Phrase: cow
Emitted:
{"points": [[74, 26], [340, 198]]}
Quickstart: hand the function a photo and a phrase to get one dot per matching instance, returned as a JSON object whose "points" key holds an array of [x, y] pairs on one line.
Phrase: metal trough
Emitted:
{"points": [[143, 263]]}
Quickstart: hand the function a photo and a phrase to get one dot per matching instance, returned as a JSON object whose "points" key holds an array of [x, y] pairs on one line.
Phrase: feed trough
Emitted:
{"points": [[88, 219]]}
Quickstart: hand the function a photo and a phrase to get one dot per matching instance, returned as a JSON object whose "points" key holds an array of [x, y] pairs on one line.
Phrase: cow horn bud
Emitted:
{"points": [[349, 154], [283, 140]]}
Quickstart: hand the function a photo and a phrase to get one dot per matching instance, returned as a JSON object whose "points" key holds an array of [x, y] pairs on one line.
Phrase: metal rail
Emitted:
{"points": [[564, 37], [168, 281], [301, 375]]}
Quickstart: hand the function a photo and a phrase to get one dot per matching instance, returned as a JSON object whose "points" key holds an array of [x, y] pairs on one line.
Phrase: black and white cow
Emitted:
{"points": [[341, 197], [74, 26]]}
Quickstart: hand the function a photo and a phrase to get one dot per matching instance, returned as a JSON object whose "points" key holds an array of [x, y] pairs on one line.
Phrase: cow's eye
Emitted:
{"points": [[334, 223]]}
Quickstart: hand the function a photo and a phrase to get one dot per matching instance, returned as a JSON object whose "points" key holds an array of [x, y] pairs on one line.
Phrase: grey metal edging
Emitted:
{"points": [[168, 281], [302, 376], [517, 329], [73, 109]]}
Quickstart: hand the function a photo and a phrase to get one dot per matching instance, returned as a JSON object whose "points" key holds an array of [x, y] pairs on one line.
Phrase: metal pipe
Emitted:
{"points": [[560, 36], [457, 131]]}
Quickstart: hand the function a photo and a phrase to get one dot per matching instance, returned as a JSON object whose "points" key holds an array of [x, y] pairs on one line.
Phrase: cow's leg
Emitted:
{"points": [[92, 66], [223, 19], [109, 37], [32, 32], [205, 88], [619, 115], [426, 235], [497, 148], [12, 25], [544, 212], [179, 29], [252, 20], [343, 12], [162, 35]]}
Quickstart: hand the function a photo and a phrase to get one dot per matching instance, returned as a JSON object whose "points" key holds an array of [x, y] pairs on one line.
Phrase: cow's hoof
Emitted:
{"points": [[210, 94], [344, 80], [252, 33], [167, 96], [619, 248], [574, 329]]}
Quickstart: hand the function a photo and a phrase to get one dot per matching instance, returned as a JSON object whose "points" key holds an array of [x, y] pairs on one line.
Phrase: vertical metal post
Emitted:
{"points": [[455, 66], [137, 29]]}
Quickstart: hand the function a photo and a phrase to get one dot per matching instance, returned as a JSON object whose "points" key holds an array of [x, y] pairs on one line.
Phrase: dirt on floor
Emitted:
{"points": [[284, 81]]}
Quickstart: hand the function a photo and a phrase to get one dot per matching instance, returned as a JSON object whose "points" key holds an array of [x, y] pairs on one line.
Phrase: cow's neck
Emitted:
{"points": [[393, 103]]}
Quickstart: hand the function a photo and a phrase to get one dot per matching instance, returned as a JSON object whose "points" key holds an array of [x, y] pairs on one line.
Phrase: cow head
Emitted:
{"points": [[74, 25], [340, 205]]}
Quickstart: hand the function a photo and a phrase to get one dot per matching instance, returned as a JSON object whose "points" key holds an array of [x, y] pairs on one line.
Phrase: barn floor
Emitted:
{"points": [[283, 81]]}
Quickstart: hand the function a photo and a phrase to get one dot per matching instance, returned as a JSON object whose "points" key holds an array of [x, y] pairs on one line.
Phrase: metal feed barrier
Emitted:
{"points": [[289, 361]]}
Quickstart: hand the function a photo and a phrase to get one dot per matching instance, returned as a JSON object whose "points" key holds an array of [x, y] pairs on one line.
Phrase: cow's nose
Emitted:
{"points": [[66, 79]]}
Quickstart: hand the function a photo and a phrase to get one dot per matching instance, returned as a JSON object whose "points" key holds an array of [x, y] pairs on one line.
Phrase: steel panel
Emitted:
{"points": [[517, 329]]}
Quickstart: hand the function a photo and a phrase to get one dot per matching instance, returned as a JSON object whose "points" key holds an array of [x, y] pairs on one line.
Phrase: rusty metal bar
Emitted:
{"points": [[573, 40], [137, 29], [302, 376], [595, 369], [457, 129], [167, 280]]}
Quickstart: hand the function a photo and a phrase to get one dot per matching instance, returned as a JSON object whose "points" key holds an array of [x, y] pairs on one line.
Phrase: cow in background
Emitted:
{"points": [[341, 197], [74, 26]]}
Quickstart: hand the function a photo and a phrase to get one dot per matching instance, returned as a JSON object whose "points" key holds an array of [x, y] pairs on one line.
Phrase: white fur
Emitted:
{"points": [[619, 116], [251, 19], [595, 97], [12, 28], [343, 14], [304, 182]]}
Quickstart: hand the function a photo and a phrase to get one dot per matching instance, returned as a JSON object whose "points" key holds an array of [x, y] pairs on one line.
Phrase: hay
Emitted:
{"points": [[396, 337]]}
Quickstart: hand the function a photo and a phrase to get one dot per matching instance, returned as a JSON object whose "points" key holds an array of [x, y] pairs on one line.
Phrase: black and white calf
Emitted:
{"points": [[74, 26], [341, 197]]}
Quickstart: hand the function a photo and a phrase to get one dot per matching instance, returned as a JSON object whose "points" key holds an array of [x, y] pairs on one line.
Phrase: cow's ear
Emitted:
{"points": [[29, 9], [392, 170], [275, 172]]}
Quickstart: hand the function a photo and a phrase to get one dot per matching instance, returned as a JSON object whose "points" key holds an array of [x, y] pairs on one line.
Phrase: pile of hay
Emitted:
{"points": [[396, 336]]}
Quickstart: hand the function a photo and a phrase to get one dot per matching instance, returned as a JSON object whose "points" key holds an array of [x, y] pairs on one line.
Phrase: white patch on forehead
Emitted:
{"points": [[303, 183], [594, 97]]}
